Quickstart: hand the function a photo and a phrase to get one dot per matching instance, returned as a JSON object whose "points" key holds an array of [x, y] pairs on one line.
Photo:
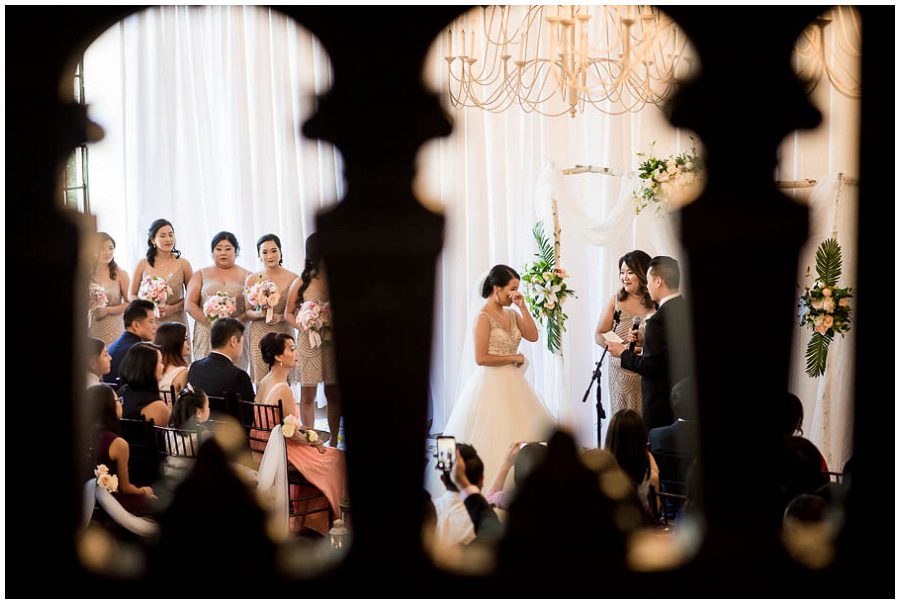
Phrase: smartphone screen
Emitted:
{"points": [[446, 452]]}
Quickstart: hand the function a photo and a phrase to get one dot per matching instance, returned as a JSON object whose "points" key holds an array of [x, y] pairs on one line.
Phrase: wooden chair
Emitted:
{"points": [[172, 442], [168, 396], [143, 458], [114, 385], [259, 419]]}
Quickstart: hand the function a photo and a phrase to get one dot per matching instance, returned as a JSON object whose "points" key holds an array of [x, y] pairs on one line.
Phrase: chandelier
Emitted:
{"points": [[831, 49], [554, 60]]}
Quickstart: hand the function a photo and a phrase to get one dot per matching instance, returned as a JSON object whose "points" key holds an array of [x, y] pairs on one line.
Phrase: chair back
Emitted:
{"points": [[258, 419], [143, 457], [173, 442], [114, 385], [673, 470], [168, 396]]}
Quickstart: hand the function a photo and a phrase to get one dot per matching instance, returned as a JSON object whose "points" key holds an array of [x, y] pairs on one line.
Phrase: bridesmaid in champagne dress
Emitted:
{"points": [[106, 322], [633, 300], [269, 249], [316, 363], [225, 276], [164, 260]]}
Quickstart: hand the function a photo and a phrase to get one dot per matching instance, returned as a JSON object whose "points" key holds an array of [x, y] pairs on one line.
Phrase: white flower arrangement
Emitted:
{"points": [[108, 481]]}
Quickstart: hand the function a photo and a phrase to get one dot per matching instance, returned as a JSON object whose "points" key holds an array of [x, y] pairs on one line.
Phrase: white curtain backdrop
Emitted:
{"points": [[202, 109]]}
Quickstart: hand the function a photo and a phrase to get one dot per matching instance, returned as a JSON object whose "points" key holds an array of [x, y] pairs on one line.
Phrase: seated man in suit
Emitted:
{"points": [[140, 326], [674, 447], [217, 374], [666, 359]]}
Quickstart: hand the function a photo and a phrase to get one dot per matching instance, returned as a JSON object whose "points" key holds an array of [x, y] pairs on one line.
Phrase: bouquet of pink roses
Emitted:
{"points": [[263, 294], [219, 305], [98, 299], [156, 290], [313, 319]]}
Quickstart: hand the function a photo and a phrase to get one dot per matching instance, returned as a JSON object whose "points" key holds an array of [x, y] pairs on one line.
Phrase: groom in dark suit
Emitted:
{"points": [[217, 374], [665, 359]]}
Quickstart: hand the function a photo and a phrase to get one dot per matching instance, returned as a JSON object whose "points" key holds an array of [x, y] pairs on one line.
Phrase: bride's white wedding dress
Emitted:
{"points": [[497, 405]]}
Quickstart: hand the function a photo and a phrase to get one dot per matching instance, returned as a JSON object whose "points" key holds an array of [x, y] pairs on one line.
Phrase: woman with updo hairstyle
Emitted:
{"points": [[223, 275], [316, 363], [164, 260], [632, 300], [496, 405], [172, 339], [261, 323], [322, 466], [106, 322]]}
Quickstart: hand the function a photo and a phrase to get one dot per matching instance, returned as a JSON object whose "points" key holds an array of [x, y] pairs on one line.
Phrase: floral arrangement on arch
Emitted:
{"points": [[824, 307], [664, 178], [546, 290], [219, 305]]}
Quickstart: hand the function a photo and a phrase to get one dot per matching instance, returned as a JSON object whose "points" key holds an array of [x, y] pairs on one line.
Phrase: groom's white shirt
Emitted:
{"points": [[667, 298]]}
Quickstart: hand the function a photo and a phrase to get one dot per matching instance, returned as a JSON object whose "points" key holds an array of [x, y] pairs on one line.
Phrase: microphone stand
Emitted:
{"points": [[598, 373]]}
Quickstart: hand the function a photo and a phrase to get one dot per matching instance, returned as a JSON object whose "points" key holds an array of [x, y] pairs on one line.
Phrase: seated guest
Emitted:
{"points": [[808, 531], [484, 520], [140, 372], [171, 337], [190, 412], [521, 457], [679, 438], [217, 374], [801, 469], [98, 361], [322, 466], [112, 450], [626, 439], [454, 526], [790, 418], [140, 326]]}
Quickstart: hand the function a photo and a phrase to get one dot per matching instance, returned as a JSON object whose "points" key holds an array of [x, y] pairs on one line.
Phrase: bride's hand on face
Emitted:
{"points": [[518, 299]]}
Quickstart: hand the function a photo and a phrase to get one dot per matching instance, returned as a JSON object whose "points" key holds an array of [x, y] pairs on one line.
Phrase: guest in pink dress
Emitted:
{"points": [[322, 466]]}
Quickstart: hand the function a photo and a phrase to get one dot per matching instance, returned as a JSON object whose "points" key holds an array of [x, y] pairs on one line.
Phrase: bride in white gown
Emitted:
{"points": [[497, 406]]}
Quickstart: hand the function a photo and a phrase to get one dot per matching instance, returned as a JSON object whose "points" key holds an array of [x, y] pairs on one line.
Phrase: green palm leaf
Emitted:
{"points": [[828, 262], [545, 250], [817, 354]]}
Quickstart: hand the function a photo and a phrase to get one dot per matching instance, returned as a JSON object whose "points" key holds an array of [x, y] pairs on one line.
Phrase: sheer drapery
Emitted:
{"points": [[202, 109]]}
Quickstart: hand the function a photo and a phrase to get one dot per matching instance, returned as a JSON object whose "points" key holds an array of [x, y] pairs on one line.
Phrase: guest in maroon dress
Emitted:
{"points": [[112, 450]]}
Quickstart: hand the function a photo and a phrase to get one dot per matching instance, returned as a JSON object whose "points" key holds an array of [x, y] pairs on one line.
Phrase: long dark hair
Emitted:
{"points": [[102, 404], [151, 233], [638, 261], [270, 237], [103, 237], [190, 400], [626, 439], [170, 339], [138, 368], [500, 276], [310, 265]]}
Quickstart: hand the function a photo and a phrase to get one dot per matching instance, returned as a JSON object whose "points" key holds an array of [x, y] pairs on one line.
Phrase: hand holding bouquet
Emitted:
{"points": [[313, 319], [97, 299], [263, 294], [156, 290], [219, 305]]}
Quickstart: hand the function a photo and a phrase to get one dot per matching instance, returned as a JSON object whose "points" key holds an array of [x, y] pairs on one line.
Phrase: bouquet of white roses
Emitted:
{"points": [[97, 299], [219, 305], [263, 294], [108, 481], [291, 429], [156, 290]]}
